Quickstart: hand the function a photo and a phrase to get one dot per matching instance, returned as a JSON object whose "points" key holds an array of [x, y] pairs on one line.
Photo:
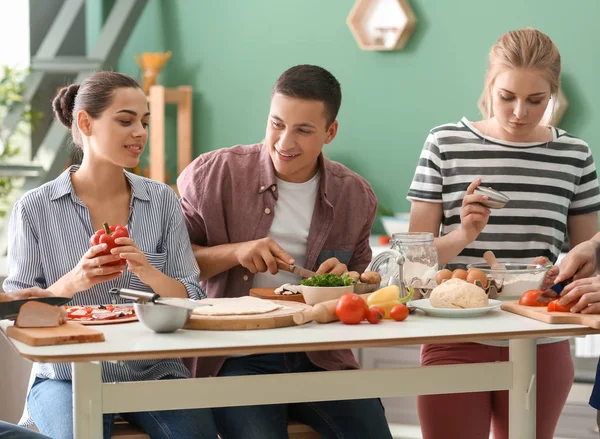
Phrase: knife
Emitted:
{"points": [[145, 297], [296, 269]]}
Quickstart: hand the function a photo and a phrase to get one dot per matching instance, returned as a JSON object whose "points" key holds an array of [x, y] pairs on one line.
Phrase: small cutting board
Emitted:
{"points": [[69, 333], [269, 294], [541, 313], [279, 318]]}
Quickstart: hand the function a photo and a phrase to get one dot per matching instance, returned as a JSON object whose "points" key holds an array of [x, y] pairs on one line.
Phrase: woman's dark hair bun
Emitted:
{"points": [[63, 104]]}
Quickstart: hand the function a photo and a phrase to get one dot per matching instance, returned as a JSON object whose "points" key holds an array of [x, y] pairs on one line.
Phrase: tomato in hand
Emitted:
{"points": [[375, 314], [351, 309], [554, 306], [399, 312], [529, 298]]}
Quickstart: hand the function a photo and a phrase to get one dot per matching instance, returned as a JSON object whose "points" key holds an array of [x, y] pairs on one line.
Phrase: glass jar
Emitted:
{"points": [[418, 259]]}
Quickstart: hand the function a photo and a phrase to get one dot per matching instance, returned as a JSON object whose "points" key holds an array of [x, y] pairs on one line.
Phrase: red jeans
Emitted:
{"points": [[469, 415]]}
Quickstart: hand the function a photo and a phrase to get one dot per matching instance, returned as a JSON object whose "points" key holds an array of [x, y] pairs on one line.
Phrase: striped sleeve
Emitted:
{"points": [[24, 259], [427, 182], [587, 192], [181, 263]]}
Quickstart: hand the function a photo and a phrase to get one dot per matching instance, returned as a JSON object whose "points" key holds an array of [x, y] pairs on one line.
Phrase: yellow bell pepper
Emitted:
{"points": [[388, 297]]}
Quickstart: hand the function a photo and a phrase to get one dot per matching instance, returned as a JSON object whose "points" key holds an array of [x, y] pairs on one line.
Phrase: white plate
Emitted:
{"points": [[425, 306]]}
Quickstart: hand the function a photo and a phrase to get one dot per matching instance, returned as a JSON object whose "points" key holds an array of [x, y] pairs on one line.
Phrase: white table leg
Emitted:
{"points": [[521, 400], [87, 400]]}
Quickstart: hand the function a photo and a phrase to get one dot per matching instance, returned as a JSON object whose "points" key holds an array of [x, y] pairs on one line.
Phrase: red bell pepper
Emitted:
{"points": [[107, 235]]}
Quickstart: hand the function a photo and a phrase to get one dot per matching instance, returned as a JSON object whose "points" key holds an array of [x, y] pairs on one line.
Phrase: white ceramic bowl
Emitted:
{"points": [[395, 224], [314, 295], [161, 318]]}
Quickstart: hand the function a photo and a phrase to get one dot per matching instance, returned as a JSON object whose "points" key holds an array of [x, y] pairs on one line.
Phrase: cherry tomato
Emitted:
{"points": [[554, 306], [351, 309], [529, 298], [399, 312], [375, 314]]}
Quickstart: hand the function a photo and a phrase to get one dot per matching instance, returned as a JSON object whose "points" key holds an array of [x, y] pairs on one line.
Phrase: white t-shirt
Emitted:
{"points": [[291, 223]]}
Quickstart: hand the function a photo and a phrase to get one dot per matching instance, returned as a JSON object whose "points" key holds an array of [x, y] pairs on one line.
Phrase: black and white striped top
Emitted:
{"points": [[545, 182], [50, 228]]}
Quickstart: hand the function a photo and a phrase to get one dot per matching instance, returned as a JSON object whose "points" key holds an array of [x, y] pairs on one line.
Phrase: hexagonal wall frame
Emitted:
{"points": [[381, 24], [553, 114]]}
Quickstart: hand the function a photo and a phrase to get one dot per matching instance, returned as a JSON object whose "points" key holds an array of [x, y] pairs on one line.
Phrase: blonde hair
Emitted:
{"points": [[526, 49]]}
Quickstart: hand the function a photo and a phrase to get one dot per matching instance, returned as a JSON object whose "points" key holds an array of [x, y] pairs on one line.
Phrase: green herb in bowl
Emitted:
{"points": [[329, 280]]}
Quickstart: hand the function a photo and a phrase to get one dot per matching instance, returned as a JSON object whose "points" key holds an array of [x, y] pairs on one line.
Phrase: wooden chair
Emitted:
{"points": [[296, 430], [123, 429]]}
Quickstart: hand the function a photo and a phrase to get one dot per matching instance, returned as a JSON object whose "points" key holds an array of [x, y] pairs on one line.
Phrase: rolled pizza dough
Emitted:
{"points": [[236, 306]]}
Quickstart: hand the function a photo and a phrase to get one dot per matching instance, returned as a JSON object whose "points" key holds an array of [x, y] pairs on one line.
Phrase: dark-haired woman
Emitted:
{"points": [[49, 247]]}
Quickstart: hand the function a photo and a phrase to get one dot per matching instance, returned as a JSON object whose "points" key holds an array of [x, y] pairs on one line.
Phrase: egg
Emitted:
{"points": [[459, 273], [479, 275], [443, 275]]}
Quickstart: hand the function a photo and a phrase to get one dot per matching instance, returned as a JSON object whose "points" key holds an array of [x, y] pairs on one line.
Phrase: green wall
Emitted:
{"points": [[232, 51]]}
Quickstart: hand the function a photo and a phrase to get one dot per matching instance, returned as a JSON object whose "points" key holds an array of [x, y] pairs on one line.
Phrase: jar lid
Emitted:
{"points": [[386, 264], [412, 238]]}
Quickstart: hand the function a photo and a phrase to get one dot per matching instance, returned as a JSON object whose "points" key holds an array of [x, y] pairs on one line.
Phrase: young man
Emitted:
{"points": [[245, 206]]}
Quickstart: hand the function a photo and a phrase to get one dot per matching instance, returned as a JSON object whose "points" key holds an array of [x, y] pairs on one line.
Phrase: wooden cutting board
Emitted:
{"points": [[269, 294], [279, 318], [541, 313], [69, 333]]}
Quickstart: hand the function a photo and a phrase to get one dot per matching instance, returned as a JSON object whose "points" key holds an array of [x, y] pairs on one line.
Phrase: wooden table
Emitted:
{"points": [[132, 341]]}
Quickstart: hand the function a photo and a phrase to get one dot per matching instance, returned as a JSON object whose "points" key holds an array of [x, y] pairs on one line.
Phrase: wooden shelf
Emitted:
{"points": [[158, 98], [381, 25]]}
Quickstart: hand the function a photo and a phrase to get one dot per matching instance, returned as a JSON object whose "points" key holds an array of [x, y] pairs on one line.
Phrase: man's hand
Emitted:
{"points": [[259, 256], [332, 265]]}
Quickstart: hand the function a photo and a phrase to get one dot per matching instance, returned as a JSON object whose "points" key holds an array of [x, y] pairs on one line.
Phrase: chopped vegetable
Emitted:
{"points": [[329, 280], [530, 298]]}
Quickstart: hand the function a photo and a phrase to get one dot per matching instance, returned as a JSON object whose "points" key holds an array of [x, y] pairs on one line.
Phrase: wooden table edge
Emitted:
{"points": [[303, 347]]}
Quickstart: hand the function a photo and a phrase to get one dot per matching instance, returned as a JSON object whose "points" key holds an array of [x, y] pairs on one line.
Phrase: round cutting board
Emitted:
{"points": [[269, 293], [279, 318]]}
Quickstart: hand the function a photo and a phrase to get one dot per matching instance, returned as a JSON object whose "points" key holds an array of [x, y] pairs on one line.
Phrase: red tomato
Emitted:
{"points": [[399, 312], [529, 298], [375, 314], [554, 306], [351, 309]]}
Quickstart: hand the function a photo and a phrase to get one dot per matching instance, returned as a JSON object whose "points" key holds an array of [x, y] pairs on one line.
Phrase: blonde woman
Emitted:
{"points": [[550, 178]]}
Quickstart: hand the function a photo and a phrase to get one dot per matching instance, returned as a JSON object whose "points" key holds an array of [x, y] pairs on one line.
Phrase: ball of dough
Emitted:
{"points": [[456, 293]]}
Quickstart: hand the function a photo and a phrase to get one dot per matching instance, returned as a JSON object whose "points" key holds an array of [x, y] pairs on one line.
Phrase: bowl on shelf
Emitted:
{"points": [[395, 224]]}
